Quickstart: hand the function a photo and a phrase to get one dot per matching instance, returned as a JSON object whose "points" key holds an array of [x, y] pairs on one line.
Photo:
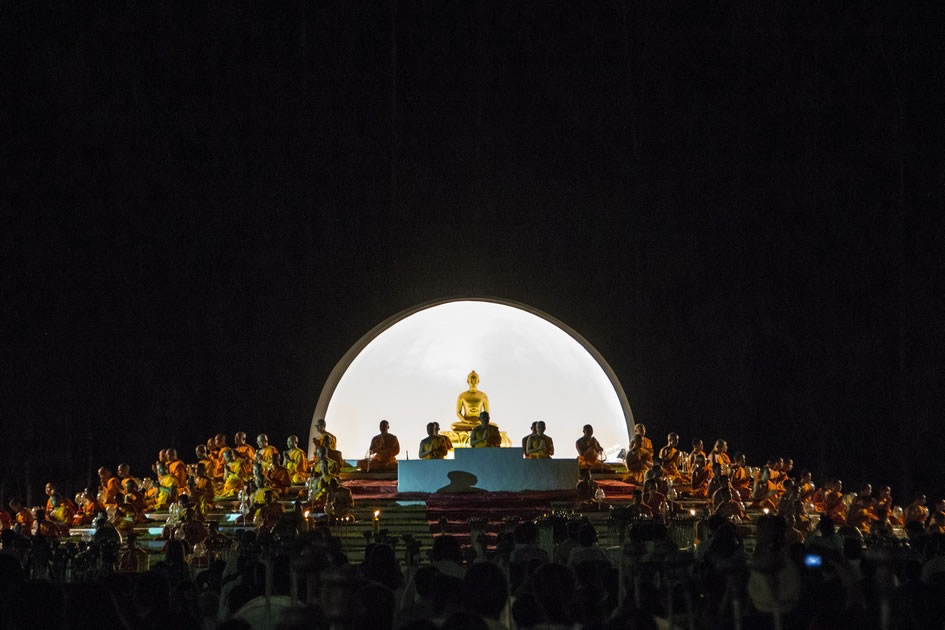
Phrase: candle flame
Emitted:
{"points": [[692, 512], [766, 510], [377, 513]]}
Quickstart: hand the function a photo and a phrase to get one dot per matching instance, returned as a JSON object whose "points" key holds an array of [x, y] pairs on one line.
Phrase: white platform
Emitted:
{"points": [[491, 469]]}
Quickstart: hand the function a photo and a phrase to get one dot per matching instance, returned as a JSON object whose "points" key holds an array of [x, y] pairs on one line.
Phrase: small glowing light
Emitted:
{"points": [[766, 510], [307, 512], [377, 513], [692, 512]]}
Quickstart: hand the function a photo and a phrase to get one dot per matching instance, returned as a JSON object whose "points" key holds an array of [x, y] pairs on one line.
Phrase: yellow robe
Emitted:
{"points": [[234, 481], [167, 493], [297, 465], [265, 455]]}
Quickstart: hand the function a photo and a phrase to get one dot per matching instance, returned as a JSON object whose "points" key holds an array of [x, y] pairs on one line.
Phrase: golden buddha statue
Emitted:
{"points": [[470, 404]]}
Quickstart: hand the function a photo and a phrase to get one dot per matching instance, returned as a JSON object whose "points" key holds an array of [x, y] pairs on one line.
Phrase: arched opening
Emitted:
{"points": [[410, 368]]}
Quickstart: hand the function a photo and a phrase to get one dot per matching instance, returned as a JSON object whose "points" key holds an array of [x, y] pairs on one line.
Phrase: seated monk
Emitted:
{"points": [[383, 451], [590, 452], [700, 478], [262, 484], [60, 518], [89, 508], [646, 445], [22, 517], [219, 470], [124, 473], [727, 505], [638, 509], [884, 500], [637, 462], [719, 455], [860, 514], [51, 489], [805, 488], [765, 491], [936, 524], [739, 477], [177, 468], [655, 499], [540, 445], [321, 438], [338, 502], [134, 501], [434, 445], [110, 486], [266, 451], [205, 458], [916, 512], [325, 470], [244, 452], [296, 461], [531, 432], [672, 459], [166, 489], [696, 451], [201, 491], [449, 442], [278, 476], [587, 487], [717, 480], [484, 435], [834, 507], [656, 474], [235, 477], [269, 513]]}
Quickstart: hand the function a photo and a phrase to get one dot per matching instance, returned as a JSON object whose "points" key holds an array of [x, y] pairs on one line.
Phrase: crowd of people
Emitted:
{"points": [[821, 558]]}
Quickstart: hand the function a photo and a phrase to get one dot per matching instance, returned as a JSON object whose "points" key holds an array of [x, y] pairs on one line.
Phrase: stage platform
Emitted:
{"points": [[486, 470]]}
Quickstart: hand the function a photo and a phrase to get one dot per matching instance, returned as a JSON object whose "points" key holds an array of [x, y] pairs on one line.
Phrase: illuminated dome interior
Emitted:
{"points": [[411, 368]]}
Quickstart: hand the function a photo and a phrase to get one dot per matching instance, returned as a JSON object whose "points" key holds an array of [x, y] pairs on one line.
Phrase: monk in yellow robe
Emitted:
{"points": [[60, 518], [266, 451], [449, 442], [672, 459], [485, 435], [701, 473], [325, 470], [177, 468], [110, 486], [278, 475], [88, 510], [434, 446], [383, 451], [540, 445], [51, 489], [322, 438], [338, 501], [590, 452], [719, 455], [167, 489], [637, 461], [135, 502], [235, 479], [244, 452], [296, 461]]}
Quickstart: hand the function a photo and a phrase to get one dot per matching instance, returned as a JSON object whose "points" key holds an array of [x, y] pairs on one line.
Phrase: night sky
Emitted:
{"points": [[739, 204]]}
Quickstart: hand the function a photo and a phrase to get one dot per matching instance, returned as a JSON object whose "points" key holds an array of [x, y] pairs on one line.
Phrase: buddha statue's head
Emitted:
{"points": [[472, 380]]}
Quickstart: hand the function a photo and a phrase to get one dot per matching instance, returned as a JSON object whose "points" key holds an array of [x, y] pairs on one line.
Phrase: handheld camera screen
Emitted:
{"points": [[813, 560]]}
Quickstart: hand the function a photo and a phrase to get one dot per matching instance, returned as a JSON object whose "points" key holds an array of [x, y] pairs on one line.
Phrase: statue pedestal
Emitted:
{"points": [[491, 469]]}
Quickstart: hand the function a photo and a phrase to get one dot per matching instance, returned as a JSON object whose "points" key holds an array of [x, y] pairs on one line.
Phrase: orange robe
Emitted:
{"points": [[671, 457], [179, 469], [279, 479], [385, 448], [741, 482], [700, 482], [834, 507], [265, 455], [85, 516], [297, 465], [247, 455], [589, 452], [24, 518], [330, 442], [111, 490], [916, 513], [167, 493], [5, 521], [234, 480], [202, 495], [61, 519], [636, 467]]}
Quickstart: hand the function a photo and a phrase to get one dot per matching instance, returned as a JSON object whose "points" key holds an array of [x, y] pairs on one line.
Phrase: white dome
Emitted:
{"points": [[411, 368]]}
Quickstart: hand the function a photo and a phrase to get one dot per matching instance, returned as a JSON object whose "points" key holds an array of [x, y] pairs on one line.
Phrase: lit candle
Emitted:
{"points": [[377, 522], [766, 510]]}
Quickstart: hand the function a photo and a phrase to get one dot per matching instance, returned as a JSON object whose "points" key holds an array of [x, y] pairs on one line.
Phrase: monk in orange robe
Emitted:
{"points": [[739, 477], [177, 468], [700, 478], [21, 516], [110, 486], [60, 518], [637, 462], [244, 452], [296, 461], [916, 512], [383, 451], [278, 476], [235, 479], [321, 437], [697, 450], [719, 455], [51, 489], [201, 490], [646, 445], [806, 488], [89, 509], [167, 489], [672, 459], [764, 491], [5, 521], [266, 451], [219, 471], [135, 503], [834, 508], [590, 452]]}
